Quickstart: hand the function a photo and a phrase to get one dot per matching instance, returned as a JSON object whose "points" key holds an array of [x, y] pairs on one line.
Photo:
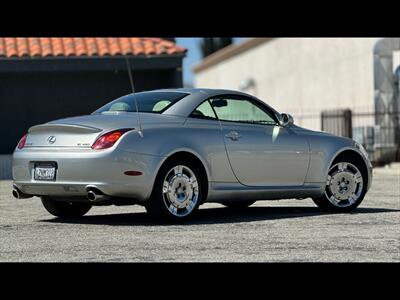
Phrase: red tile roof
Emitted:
{"points": [[85, 46]]}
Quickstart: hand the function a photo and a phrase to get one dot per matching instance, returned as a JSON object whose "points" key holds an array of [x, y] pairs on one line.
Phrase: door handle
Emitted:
{"points": [[233, 135]]}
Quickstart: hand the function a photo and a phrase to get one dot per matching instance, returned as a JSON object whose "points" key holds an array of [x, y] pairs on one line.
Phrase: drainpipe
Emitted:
{"points": [[397, 116], [386, 98], [397, 89]]}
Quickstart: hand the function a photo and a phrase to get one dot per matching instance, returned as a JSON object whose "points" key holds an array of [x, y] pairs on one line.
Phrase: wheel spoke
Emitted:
{"points": [[178, 170], [358, 177], [189, 207], [352, 198], [333, 199], [166, 187], [195, 197], [328, 180], [194, 184], [173, 209]]}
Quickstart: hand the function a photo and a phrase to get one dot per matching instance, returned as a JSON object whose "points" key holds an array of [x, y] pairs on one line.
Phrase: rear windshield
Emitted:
{"points": [[148, 102]]}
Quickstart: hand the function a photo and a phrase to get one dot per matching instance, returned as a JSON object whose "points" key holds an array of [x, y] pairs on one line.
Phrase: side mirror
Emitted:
{"points": [[286, 120]]}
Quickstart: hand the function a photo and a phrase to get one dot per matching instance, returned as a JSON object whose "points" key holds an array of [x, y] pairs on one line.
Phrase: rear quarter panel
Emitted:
{"points": [[202, 138]]}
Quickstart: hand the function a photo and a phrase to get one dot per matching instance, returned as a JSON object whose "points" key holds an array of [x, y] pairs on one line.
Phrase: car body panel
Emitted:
{"points": [[266, 155], [220, 192], [269, 162], [77, 170], [61, 135]]}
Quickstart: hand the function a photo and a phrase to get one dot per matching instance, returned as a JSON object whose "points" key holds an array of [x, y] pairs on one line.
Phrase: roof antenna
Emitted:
{"points": [[133, 91]]}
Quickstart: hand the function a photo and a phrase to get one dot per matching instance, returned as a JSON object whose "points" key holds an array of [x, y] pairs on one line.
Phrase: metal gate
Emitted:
{"points": [[338, 122]]}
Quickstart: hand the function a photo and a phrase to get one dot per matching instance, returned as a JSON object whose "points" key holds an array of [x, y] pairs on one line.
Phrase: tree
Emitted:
{"points": [[211, 45]]}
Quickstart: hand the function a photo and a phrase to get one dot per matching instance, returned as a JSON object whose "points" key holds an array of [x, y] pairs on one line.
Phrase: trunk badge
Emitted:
{"points": [[51, 139]]}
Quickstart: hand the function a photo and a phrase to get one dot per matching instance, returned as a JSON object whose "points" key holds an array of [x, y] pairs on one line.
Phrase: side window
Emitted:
{"points": [[241, 110], [159, 106], [204, 111]]}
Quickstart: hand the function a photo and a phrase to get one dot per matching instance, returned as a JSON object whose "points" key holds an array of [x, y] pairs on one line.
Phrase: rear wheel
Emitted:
{"points": [[238, 204], [346, 186], [65, 209], [177, 192]]}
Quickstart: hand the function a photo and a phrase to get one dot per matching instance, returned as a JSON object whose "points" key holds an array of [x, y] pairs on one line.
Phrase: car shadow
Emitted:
{"points": [[212, 216]]}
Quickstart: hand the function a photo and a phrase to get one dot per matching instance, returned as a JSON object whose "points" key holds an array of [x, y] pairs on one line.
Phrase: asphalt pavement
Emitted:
{"points": [[268, 231]]}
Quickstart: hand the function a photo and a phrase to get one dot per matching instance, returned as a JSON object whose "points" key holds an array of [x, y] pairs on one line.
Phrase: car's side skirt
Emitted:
{"points": [[223, 191]]}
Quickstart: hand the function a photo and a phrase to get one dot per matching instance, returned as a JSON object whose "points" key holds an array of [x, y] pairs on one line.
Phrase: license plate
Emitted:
{"points": [[45, 173]]}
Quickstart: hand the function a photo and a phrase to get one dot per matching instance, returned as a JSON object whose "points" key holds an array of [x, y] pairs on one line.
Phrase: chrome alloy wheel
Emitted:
{"points": [[180, 191], [344, 184]]}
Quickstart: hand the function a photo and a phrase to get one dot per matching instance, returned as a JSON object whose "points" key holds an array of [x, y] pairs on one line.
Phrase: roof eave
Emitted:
{"points": [[89, 63]]}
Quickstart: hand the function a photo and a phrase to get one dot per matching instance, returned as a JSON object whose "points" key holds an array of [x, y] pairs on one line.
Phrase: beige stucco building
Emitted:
{"points": [[300, 76]]}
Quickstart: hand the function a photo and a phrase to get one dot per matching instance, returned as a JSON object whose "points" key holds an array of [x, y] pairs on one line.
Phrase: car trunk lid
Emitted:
{"points": [[82, 132], [62, 135]]}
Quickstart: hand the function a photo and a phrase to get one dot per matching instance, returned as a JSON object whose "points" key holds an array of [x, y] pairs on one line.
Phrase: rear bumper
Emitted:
{"points": [[79, 170]]}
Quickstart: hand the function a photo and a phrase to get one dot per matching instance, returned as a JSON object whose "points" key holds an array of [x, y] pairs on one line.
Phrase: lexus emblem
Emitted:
{"points": [[51, 139]]}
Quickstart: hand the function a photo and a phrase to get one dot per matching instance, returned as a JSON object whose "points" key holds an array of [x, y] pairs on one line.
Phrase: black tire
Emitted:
{"points": [[323, 201], [65, 209], [238, 204], [156, 205]]}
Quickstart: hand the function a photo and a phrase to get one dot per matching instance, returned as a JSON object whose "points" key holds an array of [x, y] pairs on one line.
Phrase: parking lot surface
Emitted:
{"points": [[268, 231]]}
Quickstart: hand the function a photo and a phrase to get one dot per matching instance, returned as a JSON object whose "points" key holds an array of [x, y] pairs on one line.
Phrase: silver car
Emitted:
{"points": [[173, 150]]}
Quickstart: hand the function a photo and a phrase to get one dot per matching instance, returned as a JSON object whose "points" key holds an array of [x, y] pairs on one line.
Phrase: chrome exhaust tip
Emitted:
{"points": [[95, 196], [91, 196], [15, 193], [19, 195]]}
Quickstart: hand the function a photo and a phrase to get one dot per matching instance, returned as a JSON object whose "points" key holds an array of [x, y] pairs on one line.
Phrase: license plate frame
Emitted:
{"points": [[45, 171]]}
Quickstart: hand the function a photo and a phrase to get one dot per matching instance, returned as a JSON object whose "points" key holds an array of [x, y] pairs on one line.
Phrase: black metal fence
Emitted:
{"points": [[338, 122], [379, 133]]}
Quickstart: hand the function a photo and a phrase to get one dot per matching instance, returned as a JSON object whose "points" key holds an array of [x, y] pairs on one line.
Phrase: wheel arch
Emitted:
{"points": [[187, 154], [350, 153]]}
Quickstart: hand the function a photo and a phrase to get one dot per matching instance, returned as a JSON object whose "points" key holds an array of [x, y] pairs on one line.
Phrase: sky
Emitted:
{"points": [[193, 56]]}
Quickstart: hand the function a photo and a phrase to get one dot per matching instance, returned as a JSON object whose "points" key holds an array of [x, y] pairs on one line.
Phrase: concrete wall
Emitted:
{"points": [[302, 76]]}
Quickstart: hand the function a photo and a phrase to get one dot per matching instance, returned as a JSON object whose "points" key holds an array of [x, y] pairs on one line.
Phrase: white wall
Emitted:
{"points": [[302, 76]]}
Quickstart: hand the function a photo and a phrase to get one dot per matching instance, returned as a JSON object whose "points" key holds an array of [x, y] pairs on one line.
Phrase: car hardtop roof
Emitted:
{"points": [[207, 91], [196, 96]]}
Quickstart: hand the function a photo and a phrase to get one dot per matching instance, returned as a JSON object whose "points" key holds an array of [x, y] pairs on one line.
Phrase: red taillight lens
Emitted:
{"points": [[108, 139], [22, 142]]}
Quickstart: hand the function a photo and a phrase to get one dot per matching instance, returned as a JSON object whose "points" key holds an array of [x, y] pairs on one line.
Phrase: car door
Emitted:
{"points": [[260, 152], [206, 139]]}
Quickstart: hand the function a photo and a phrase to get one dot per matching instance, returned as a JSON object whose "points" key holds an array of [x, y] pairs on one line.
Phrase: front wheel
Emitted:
{"points": [[346, 187], [177, 192], [65, 209]]}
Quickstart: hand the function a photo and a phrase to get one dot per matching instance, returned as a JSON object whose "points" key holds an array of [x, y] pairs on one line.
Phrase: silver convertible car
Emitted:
{"points": [[173, 150]]}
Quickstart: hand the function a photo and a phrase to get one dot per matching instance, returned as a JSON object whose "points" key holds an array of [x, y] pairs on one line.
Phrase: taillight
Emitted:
{"points": [[22, 142], [108, 139]]}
